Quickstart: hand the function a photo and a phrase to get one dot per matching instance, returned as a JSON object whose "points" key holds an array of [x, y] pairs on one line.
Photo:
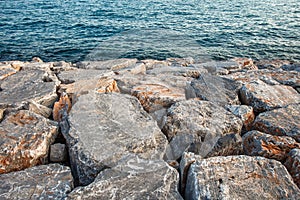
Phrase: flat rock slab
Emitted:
{"points": [[52, 181], [263, 97], [25, 138], [198, 125], [215, 89], [105, 127], [134, 178], [239, 177], [27, 85], [281, 122], [256, 143], [292, 164], [107, 64]]}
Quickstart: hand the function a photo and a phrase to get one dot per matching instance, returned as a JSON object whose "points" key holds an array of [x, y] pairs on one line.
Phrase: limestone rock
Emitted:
{"points": [[239, 177], [190, 71], [246, 63], [108, 64], [58, 152], [213, 88], [39, 109], [2, 111], [41, 182], [281, 122], [184, 62], [62, 107], [271, 64], [134, 178], [263, 97], [152, 64], [245, 113], [138, 68], [106, 85], [292, 164], [274, 147], [27, 85], [118, 125], [7, 70], [25, 140], [201, 123]]}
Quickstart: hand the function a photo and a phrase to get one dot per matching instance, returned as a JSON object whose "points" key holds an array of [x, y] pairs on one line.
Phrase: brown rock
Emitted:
{"points": [[274, 147], [245, 113], [107, 85], [2, 114], [7, 70], [281, 122], [25, 140], [246, 63], [292, 164], [62, 107], [263, 97]]}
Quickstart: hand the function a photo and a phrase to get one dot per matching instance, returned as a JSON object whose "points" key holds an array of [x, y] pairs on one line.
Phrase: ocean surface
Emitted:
{"points": [[77, 30]]}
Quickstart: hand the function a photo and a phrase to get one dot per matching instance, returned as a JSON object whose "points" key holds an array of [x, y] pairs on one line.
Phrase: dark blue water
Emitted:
{"points": [[75, 30]]}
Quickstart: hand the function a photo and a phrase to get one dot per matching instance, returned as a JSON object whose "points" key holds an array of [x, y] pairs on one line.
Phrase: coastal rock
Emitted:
{"points": [[281, 122], [213, 88], [152, 64], [292, 164], [183, 62], [2, 111], [133, 178], [58, 153], [107, 85], [25, 140], [115, 122], [39, 109], [274, 147], [202, 123], [291, 67], [246, 63], [27, 85], [263, 97], [52, 181], [271, 64], [245, 113], [62, 107], [189, 71], [7, 70], [108, 64], [239, 177], [138, 68]]}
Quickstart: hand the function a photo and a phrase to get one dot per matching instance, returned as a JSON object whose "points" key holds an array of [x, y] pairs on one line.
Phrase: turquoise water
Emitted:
{"points": [[75, 30]]}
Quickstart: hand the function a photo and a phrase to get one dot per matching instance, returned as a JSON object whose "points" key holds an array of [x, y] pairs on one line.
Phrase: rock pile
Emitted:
{"points": [[130, 129]]}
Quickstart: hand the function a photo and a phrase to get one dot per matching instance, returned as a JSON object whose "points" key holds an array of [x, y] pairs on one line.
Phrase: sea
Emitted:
{"points": [[78, 30]]}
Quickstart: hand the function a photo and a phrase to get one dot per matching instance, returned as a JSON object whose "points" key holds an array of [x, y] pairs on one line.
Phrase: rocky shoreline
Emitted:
{"points": [[149, 129]]}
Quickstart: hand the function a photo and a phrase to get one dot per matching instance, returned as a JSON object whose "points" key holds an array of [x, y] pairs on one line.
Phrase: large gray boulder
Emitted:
{"points": [[292, 164], [52, 181], [133, 178], [25, 138], [106, 127], [196, 126], [107, 64], [239, 177]]}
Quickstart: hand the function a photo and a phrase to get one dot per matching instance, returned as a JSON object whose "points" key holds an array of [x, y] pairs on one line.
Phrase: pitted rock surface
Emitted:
{"points": [[52, 181], [292, 164], [106, 127], [25, 138], [245, 113]]}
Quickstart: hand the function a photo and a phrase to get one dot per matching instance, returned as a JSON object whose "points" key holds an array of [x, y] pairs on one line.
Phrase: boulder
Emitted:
{"points": [[274, 147], [25, 140], [58, 153], [271, 64], [52, 181], [239, 177], [245, 113], [292, 164], [281, 122], [107, 64], [106, 127], [133, 178], [291, 67], [263, 97], [190, 71], [197, 126], [213, 88]]}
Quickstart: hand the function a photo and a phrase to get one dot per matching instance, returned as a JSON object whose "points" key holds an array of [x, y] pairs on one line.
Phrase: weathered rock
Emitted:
{"points": [[27, 85], [213, 88], [271, 64], [116, 123], [263, 97], [152, 64], [281, 122], [190, 71], [2, 111], [138, 68], [41, 182], [184, 62], [7, 70], [246, 63], [134, 178], [199, 124], [62, 107], [108, 64], [274, 147], [245, 113], [58, 152], [107, 85], [292, 67], [25, 140], [39, 109], [292, 164], [239, 177], [159, 117]]}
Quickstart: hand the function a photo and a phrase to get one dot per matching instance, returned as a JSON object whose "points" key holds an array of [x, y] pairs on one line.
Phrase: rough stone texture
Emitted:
{"points": [[116, 123], [25, 138], [39, 109], [58, 153], [213, 88], [190, 71], [245, 113], [138, 68], [152, 64], [292, 164], [292, 67], [184, 62], [32, 87], [263, 97], [274, 147], [61, 107], [214, 67], [199, 124], [134, 178], [281, 122], [2, 111], [239, 177], [271, 64], [246, 63], [107, 85], [7, 70], [52, 181], [108, 64]]}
